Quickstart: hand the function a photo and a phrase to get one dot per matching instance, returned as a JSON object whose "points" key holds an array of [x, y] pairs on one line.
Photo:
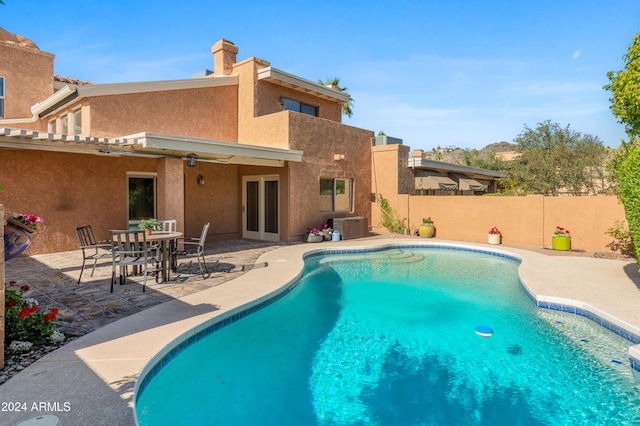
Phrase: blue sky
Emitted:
{"points": [[433, 73]]}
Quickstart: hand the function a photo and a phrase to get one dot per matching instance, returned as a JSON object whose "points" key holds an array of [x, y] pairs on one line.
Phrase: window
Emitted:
{"points": [[64, 124], [77, 122], [52, 127], [336, 195], [1, 97], [291, 105]]}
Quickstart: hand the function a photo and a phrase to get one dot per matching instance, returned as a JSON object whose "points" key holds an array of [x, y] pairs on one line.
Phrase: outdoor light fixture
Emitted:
{"points": [[192, 159], [200, 180]]}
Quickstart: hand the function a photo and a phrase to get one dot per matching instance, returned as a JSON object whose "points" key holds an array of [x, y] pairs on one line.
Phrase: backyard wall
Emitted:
{"points": [[528, 221]]}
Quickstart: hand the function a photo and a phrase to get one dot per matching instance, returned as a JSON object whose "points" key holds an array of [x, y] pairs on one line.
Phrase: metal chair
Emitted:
{"points": [[91, 249], [130, 248], [171, 226], [198, 243]]}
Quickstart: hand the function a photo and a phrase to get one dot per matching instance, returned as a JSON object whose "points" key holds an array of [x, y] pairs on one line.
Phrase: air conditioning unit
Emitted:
{"points": [[352, 227]]}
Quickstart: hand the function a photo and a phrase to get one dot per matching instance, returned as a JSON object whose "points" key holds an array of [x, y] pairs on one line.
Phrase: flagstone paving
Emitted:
{"points": [[52, 280]]}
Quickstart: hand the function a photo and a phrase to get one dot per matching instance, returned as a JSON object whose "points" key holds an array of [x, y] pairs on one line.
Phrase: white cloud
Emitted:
{"points": [[577, 54]]}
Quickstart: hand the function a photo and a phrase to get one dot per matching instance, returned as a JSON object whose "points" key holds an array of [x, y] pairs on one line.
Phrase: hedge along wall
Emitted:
{"points": [[630, 193], [527, 221]]}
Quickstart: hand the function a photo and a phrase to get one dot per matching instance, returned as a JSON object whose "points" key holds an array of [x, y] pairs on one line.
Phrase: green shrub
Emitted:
{"points": [[630, 194], [390, 218], [622, 241], [25, 320]]}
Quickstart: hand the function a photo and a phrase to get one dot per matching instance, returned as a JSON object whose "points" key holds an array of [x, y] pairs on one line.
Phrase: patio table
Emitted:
{"points": [[163, 237]]}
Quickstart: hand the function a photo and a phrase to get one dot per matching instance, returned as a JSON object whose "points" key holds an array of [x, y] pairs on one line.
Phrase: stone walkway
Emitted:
{"points": [[52, 280]]}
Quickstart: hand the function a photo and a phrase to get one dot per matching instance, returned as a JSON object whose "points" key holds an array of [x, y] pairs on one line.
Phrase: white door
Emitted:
{"points": [[261, 207]]}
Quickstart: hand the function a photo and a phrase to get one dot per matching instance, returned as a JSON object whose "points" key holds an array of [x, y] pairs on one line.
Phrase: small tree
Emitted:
{"points": [[625, 90], [625, 104], [553, 158]]}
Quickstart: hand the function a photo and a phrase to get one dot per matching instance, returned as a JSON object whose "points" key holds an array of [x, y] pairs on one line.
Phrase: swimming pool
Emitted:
{"points": [[388, 338]]}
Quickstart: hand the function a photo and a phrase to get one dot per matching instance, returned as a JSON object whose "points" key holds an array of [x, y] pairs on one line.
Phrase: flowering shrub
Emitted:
{"points": [[30, 220], [561, 232], [25, 321], [427, 222], [314, 231], [494, 231]]}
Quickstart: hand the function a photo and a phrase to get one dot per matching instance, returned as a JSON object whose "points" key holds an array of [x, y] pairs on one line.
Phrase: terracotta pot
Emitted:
{"points": [[147, 231], [17, 237]]}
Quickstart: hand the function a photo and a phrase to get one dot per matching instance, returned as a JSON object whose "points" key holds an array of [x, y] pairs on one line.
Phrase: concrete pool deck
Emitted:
{"points": [[90, 381]]}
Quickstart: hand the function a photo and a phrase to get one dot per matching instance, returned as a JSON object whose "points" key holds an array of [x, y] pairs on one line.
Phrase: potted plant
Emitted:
{"points": [[561, 239], [426, 228], [149, 225], [495, 237], [326, 232], [313, 235], [17, 233]]}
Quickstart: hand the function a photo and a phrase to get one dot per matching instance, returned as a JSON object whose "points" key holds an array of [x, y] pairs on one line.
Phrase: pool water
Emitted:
{"points": [[388, 338]]}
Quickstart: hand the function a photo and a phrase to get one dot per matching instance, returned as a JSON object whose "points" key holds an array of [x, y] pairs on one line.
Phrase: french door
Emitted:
{"points": [[261, 207]]}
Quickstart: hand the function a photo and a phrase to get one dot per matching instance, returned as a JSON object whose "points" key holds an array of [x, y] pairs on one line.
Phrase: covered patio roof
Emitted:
{"points": [[148, 144]]}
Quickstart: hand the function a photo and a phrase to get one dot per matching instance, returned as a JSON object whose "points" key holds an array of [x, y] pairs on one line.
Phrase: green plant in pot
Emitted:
{"points": [[149, 225], [426, 228]]}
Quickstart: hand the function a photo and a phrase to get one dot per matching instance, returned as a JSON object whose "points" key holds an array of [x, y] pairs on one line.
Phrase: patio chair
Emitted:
{"points": [[198, 244], [130, 248], [171, 226], [91, 249]]}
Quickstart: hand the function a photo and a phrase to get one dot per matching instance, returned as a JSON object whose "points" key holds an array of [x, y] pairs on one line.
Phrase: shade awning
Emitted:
{"points": [[465, 183], [433, 181]]}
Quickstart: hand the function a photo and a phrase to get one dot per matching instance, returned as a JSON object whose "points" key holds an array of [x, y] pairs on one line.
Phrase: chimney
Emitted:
{"points": [[224, 56]]}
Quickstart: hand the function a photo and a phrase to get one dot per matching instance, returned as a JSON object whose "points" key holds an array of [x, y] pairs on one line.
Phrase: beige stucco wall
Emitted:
{"points": [[208, 113], [321, 140], [94, 191], [217, 202], [390, 173], [28, 77], [528, 221]]}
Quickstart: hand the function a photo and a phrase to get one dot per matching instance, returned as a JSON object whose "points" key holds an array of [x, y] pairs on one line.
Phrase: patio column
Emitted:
{"points": [[171, 190]]}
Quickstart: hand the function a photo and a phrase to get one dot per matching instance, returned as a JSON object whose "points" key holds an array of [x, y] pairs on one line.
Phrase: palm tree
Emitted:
{"points": [[347, 107]]}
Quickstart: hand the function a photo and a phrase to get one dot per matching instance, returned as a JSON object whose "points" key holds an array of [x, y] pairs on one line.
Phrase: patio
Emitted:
{"points": [[52, 280]]}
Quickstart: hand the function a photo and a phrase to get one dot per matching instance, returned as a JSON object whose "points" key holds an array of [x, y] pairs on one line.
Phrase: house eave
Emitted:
{"points": [[147, 144], [291, 81], [68, 93], [420, 163]]}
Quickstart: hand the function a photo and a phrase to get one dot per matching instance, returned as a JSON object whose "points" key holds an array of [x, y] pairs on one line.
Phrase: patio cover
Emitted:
{"points": [[148, 144], [434, 180]]}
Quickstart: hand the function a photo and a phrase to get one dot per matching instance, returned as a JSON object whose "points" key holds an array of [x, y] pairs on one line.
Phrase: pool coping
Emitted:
{"points": [[107, 363]]}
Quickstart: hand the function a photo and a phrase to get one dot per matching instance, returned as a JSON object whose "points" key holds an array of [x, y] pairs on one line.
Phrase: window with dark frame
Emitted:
{"points": [[297, 106], [336, 195]]}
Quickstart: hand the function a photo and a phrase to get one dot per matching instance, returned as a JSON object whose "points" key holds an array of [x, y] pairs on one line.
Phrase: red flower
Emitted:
{"points": [[25, 312], [10, 303], [24, 288], [51, 315]]}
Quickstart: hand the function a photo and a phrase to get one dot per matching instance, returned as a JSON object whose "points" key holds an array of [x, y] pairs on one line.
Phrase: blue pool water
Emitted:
{"points": [[389, 338]]}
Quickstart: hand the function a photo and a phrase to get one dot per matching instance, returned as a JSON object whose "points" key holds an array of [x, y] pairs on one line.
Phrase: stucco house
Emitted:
{"points": [[255, 151]]}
